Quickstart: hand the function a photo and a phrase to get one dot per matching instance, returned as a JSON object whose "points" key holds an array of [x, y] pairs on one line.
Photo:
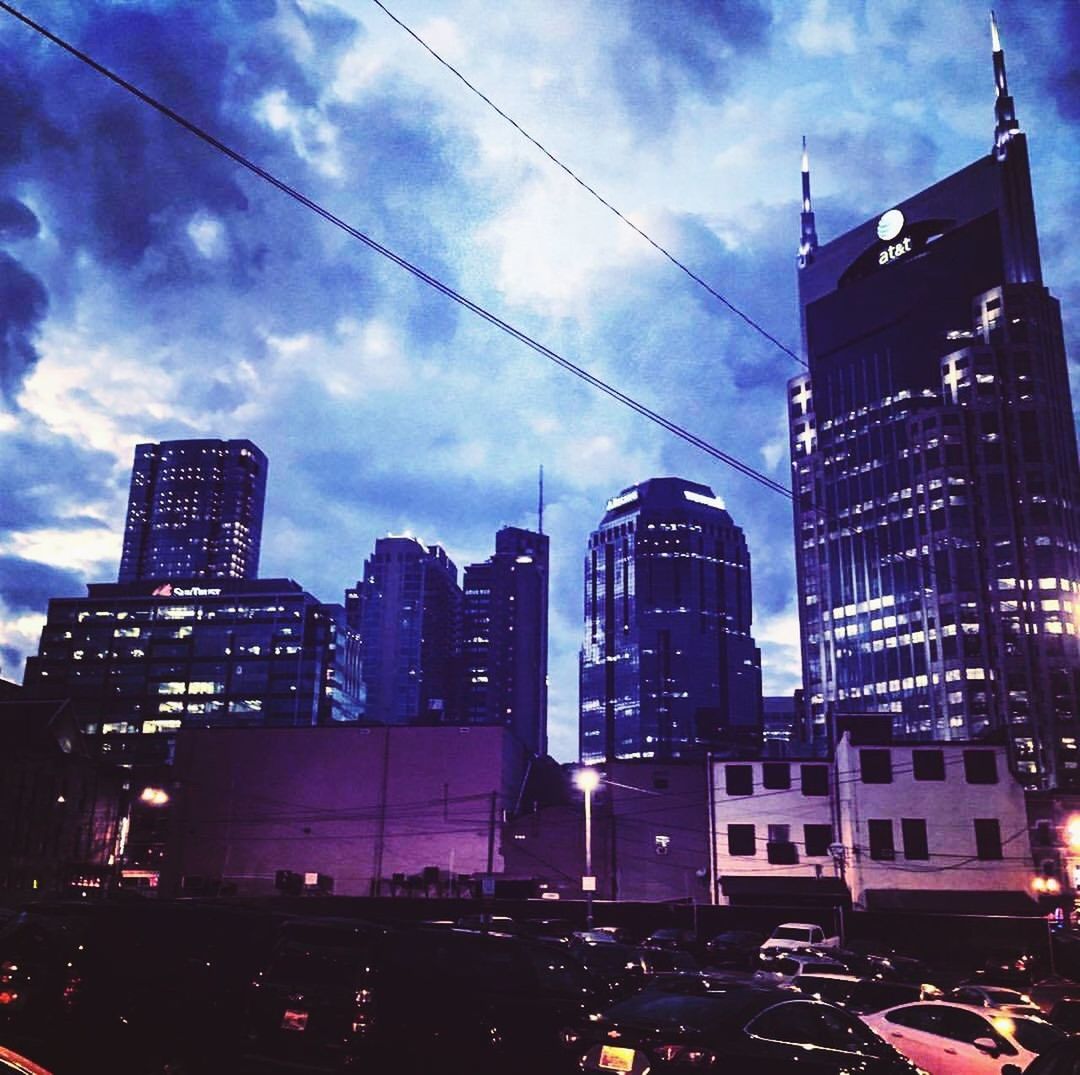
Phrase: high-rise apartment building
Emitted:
{"points": [[195, 511], [669, 668], [934, 456], [407, 610], [504, 638]]}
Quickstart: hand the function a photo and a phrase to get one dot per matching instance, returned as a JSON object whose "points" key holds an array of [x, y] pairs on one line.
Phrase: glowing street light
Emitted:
{"points": [[588, 779]]}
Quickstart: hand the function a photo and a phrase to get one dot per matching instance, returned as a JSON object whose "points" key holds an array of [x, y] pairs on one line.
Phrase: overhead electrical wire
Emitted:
{"points": [[432, 281], [659, 247]]}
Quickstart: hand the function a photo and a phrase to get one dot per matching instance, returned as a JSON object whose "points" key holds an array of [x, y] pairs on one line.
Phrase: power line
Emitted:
{"points": [[756, 326], [414, 270]]}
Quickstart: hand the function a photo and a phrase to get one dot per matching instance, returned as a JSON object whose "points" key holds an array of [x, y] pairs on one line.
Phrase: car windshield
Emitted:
{"points": [[1006, 996], [790, 933], [315, 965], [610, 957], [667, 1010], [1036, 1036], [834, 989]]}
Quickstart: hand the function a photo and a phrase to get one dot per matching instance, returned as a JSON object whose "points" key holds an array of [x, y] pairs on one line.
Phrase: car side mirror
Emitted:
{"points": [[986, 1045]]}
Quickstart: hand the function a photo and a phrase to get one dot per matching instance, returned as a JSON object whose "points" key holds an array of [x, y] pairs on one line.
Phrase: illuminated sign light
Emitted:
{"points": [[622, 501], [169, 590], [708, 501], [894, 251], [890, 225]]}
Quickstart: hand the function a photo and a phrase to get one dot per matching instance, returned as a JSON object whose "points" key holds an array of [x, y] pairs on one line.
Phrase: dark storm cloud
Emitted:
{"points": [[26, 585], [53, 474], [676, 45], [23, 304], [17, 221]]}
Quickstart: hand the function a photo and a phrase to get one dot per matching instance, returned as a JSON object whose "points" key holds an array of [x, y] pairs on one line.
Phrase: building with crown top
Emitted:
{"points": [[935, 472]]}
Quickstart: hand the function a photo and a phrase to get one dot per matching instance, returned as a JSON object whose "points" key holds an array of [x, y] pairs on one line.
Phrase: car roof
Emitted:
{"points": [[730, 1004], [831, 976], [799, 925]]}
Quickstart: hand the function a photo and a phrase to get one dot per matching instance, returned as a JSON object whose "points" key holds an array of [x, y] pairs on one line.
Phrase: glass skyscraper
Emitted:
{"points": [[669, 668], [195, 511], [407, 610], [934, 457]]}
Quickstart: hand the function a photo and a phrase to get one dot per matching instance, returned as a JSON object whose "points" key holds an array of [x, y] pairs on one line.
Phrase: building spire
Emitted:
{"points": [[808, 242], [1004, 109]]}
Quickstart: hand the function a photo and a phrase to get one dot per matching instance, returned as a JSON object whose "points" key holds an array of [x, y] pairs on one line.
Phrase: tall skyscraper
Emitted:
{"points": [[937, 488], [504, 637], [195, 511], [407, 610], [669, 668]]}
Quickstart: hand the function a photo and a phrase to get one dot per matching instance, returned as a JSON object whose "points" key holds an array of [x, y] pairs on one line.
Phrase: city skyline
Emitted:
{"points": [[156, 293]]}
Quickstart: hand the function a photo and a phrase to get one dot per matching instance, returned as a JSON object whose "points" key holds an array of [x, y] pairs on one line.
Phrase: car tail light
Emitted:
{"points": [[71, 989], [8, 997], [684, 1054]]}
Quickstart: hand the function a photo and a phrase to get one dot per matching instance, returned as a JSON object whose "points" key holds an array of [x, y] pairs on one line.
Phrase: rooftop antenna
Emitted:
{"points": [[540, 503]]}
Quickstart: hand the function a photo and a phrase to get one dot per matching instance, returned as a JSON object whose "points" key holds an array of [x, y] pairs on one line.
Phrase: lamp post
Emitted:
{"points": [[588, 779]]}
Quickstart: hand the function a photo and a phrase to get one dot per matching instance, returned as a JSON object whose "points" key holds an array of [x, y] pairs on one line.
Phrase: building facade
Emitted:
{"points": [[649, 828], [375, 809], [937, 826], [669, 668], [195, 511], [934, 458], [141, 660], [504, 637], [407, 611]]}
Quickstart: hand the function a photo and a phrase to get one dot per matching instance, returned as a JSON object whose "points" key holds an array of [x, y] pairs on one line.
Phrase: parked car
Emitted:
{"points": [[997, 997], [960, 1039], [791, 935], [339, 995], [733, 1030], [783, 968], [1060, 1059], [684, 940], [13, 1063], [1066, 1014], [736, 948], [619, 968]]}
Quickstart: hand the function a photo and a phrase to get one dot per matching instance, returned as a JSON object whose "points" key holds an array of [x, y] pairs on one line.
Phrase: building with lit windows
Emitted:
{"points": [[195, 511], [669, 668], [407, 611], [504, 637], [934, 457], [140, 661]]}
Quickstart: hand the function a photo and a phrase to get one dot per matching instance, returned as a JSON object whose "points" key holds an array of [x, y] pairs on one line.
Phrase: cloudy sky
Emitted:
{"points": [[150, 289]]}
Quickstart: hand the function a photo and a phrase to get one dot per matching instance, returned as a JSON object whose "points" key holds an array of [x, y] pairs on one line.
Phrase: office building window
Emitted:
{"points": [[980, 767], [913, 830], [881, 839], [987, 838], [816, 839], [741, 840], [928, 764], [739, 779], [875, 766], [815, 779], [776, 775]]}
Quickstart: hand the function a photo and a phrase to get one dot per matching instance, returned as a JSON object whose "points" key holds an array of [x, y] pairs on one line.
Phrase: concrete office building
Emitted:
{"points": [[934, 457]]}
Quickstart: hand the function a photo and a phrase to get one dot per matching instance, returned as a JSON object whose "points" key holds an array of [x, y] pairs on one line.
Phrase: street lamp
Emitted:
{"points": [[588, 779]]}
